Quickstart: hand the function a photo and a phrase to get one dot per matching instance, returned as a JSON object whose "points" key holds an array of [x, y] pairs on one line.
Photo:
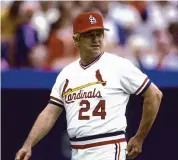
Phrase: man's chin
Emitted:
{"points": [[96, 50]]}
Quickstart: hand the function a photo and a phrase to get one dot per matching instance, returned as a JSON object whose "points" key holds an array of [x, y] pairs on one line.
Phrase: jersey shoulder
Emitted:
{"points": [[72, 66], [117, 60], [68, 69]]}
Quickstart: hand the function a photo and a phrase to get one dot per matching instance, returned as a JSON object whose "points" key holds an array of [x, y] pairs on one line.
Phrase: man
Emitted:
{"points": [[94, 91]]}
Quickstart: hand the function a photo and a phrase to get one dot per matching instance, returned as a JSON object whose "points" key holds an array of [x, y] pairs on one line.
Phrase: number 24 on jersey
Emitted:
{"points": [[98, 111]]}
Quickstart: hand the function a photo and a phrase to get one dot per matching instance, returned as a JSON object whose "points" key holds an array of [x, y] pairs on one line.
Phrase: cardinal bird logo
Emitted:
{"points": [[99, 77]]}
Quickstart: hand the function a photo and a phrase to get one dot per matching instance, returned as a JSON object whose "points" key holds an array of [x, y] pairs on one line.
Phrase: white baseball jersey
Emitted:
{"points": [[95, 98]]}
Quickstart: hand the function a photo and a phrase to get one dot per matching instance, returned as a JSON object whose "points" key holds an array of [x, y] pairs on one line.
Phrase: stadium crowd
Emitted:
{"points": [[38, 34]]}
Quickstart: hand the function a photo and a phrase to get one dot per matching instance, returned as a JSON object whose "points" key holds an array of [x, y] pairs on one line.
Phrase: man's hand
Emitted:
{"points": [[23, 154], [134, 147]]}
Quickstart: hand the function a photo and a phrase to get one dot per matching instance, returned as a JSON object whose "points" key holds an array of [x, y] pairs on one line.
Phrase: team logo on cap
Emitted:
{"points": [[92, 19]]}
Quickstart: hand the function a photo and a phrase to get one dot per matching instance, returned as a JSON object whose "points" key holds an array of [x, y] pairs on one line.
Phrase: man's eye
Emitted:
{"points": [[87, 35], [98, 34]]}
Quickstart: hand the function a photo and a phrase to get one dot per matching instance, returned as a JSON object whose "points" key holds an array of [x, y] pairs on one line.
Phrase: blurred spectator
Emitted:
{"points": [[54, 44], [141, 7], [38, 57], [43, 17], [143, 28], [162, 12], [139, 52], [82, 6], [165, 55], [26, 38], [10, 19], [63, 33], [161, 57], [173, 30], [126, 17]]}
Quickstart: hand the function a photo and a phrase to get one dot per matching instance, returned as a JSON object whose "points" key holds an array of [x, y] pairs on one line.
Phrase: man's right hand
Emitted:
{"points": [[24, 154]]}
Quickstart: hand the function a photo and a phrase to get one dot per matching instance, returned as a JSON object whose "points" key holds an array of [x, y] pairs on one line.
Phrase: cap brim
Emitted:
{"points": [[93, 28]]}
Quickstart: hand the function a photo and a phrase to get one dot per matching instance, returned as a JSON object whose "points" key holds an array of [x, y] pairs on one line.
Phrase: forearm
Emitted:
{"points": [[150, 110], [41, 127]]}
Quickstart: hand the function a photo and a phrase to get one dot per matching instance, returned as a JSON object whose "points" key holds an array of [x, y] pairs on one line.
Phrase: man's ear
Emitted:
{"points": [[76, 39]]}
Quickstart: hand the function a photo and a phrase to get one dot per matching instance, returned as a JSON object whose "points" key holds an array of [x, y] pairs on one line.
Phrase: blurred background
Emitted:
{"points": [[39, 34], [36, 43]]}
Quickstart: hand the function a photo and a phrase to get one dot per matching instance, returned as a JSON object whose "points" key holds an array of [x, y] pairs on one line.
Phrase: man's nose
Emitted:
{"points": [[94, 36]]}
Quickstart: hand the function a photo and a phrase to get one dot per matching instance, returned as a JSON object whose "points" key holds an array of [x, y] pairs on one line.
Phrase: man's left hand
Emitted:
{"points": [[134, 147]]}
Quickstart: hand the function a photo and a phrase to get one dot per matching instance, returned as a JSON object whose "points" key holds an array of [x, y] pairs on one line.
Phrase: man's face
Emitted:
{"points": [[91, 41]]}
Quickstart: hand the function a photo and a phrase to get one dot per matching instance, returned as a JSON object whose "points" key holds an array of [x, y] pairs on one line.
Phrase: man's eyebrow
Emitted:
{"points": [[85, 33], [90, 32]]}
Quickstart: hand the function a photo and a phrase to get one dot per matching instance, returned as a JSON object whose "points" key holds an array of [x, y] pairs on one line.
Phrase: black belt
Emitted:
{"points": [[103, 135]]}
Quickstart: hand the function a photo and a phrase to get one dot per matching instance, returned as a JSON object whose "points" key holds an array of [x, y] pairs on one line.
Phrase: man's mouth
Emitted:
{"points": [[95, 45]]}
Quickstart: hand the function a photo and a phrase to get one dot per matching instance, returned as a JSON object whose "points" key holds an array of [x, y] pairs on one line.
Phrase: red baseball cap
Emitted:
{"points": [[88, 21]]}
